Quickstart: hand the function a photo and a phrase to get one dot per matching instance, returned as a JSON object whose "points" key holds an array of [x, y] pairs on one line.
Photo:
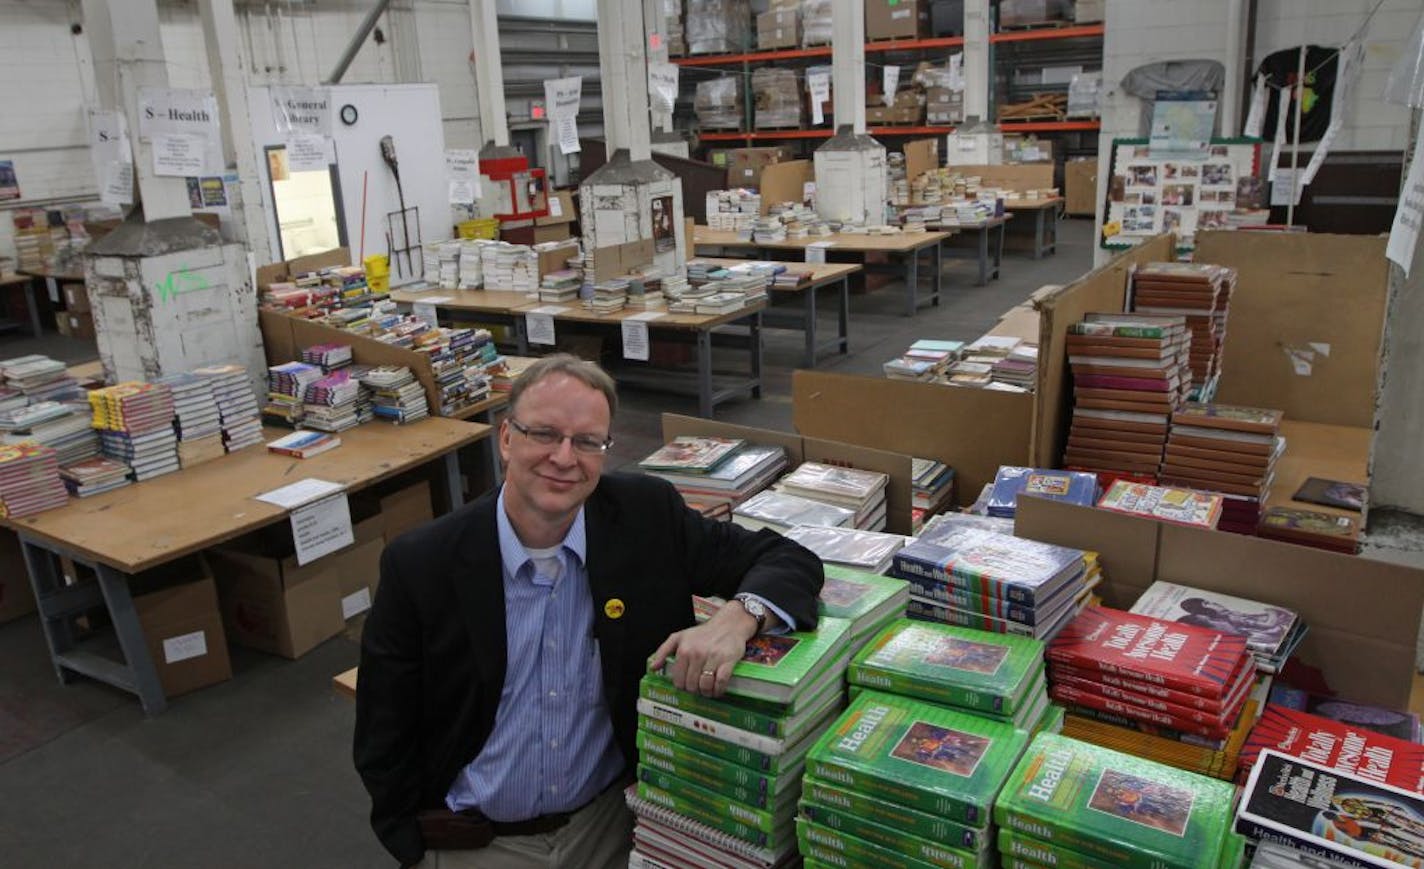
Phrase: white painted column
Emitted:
{"points": [[848, 64], [656, 25], [623, 64], [489, 74], [128, 54], [226, 65], [976, 59]]}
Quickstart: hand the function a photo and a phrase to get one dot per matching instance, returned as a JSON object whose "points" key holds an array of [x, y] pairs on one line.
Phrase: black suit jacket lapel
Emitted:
{"points": [[607, 586], [478, 576]]}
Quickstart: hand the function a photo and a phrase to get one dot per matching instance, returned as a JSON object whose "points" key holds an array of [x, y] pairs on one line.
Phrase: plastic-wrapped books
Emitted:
{"points": [[865, 550], [780, 511]]}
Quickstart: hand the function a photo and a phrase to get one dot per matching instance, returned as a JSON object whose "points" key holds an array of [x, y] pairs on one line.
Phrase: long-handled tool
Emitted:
{"points": [[388, 153]]}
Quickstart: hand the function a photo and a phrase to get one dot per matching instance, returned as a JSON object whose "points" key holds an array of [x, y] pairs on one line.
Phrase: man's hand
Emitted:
{"points": [[706, 654]]}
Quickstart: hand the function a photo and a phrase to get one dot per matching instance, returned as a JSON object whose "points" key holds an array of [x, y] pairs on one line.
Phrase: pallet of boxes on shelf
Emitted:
{"points": [[776, 96], [718, 103], [718, 26]]}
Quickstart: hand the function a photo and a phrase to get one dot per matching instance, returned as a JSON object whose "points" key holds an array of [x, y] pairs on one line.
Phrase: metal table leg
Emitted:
{"points": [[704, 372], [454, 489], [999, 250], [46, 584], [938, 274], [983, 256], [845, 314], [1038, 232], [34, 307], [755, 330], [809, 310], [145, 682], [912, 282]]}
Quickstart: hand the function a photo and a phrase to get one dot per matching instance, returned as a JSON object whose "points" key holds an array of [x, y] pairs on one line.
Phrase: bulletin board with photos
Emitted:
{"points": [[1149, 195]]}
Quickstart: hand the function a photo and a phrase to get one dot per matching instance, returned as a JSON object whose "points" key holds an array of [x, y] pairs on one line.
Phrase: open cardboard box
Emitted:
{"points": [[177, 608]]}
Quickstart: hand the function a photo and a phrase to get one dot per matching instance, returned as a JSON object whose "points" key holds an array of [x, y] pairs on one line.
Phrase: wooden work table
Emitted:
{"points": [[832, 275]]}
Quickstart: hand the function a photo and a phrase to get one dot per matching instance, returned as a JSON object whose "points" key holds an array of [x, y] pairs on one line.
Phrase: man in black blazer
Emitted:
{"points": [[496, 704]]}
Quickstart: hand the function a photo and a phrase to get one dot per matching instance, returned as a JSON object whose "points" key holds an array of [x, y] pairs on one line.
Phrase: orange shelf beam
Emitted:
{"points": [[753, 56], [915, 44], [817, 133], [1048, 33], [1048, 126]]}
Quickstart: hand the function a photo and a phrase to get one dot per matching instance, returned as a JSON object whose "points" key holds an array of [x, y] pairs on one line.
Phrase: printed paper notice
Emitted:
{"points": [[819, 84], [635, 340], [562, 97], [890, 80], [178, 155], [1256, 118], [118, 183], [662, 87], [539, 328], [307, 153], [300, 492], [462, 168], [1404, 235], [355, 603], [424, 311], [185, 646], [566, 129], [556, 207], [322, 527]]}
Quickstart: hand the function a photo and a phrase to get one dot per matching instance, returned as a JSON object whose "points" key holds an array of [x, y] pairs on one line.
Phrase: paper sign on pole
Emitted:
{"points": [[662, 86], [308, 153], [890, 80], [1404, 234], [112, 153], [177, 155], [819, 84], [562, 97], [1346, 68], [539, 328], [635, 340], [566, 130], [301, 110], [187, 113], [462, 168], [1256, 118]]}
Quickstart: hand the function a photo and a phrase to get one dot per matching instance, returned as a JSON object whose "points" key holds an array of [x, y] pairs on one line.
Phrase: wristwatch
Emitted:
{"points": [[755, 608]]}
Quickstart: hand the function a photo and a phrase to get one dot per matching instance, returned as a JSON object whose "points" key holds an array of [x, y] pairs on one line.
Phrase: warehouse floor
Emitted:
{"points": [[257, 771]]}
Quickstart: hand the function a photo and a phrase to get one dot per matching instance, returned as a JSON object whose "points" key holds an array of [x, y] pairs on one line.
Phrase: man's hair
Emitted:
{"points": [[588, 373]]}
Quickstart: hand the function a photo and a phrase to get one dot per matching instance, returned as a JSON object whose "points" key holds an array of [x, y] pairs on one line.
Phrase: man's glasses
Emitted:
{"points": [[590, 445]]}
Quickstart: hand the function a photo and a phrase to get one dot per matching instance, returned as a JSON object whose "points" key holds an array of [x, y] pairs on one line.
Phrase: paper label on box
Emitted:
{"points": [[185, 646], [890, 80], [556, 207], [819, 86], [899, 13], [539, 328], [322, 527], [635, 340], [355, 603]]}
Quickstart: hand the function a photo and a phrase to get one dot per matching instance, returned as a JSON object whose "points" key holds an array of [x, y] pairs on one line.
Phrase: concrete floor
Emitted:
{"points": [[257, 771]]}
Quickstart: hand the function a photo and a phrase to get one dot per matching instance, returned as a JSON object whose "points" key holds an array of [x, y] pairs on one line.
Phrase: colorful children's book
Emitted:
{"points": [[1332, 493], [1117, 807], [1011, 481], [989, 564], [691, 455], [1167, 504]]}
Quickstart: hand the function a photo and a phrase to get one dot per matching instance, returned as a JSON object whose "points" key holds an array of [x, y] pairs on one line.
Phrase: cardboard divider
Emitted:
{"points": [[1014, 176], [1294, 290], [971, 430], [1363, 615], [898, 493], [922, 155], [784, 182]]}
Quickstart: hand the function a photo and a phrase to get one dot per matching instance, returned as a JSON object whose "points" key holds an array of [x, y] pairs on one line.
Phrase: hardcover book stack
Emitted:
{"points": [[1069, 803], [870, 551], [59, 426], [135, 423], [1164, 503], [94, 476], [1347, 748], [1272, 633], [39, 378], [926, 359], [998, 676], [719, 778], [867, 601], [1074, 487], [933, 490], [237, 405], [1323, 812], [1129, 373], [782, 511], [1167, 679], [862, 492], [29, 480], [395, 394], [715, 474], [329, 403], [196, 419], [1201, 292], [1226, 449], [1330, 531], [971, 577], [286, 384], [901, 782]]}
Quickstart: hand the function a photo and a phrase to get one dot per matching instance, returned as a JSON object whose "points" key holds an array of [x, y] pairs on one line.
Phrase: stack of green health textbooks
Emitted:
{"points": [[1080, 806], [719, 778], [898, 782], [998, 676], [867, 600]]}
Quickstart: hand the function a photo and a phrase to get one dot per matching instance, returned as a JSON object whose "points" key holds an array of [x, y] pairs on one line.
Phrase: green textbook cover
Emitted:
{"points": [[786, 668], [754, 760], [718, 820], [712, 802], [955, 666], [837, 849], [1038, 853], [861, 598], [894, 840], [888, 814], [688, 763], [1112, 806], [919, 755], [712, 715]]}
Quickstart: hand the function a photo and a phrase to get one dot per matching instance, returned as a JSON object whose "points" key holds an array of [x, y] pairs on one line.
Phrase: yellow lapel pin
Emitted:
{"points": [[613, 608]]}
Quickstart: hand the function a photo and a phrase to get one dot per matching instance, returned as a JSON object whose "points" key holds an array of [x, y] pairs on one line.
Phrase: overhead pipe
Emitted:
{"points": [[357, 40]]}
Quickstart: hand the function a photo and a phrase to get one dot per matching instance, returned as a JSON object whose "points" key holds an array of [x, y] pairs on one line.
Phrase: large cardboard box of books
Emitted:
{"points": [[556, 257], [406, 508], [17, 598], [1080, 186], [745, 165], [177, 607], [894, 19], [271, 603]]}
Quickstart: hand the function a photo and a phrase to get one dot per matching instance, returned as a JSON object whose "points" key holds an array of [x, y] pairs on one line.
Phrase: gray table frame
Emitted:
{"points": [[31, 303], [1045, 230], [983, 249], [808, 323], [59, 604]]}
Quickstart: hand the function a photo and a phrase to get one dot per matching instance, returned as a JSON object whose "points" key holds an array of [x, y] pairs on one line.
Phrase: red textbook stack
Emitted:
{"points": [[1129, 374], [1201, 292], [1336, 744], [1226, 449], [1186, 678]]}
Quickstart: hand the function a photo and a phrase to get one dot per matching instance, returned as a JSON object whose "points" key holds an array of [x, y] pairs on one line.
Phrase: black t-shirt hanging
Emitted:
{"points": [[1281, 69]]}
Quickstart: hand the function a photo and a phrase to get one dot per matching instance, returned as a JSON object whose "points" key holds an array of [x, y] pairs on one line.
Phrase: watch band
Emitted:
{"points": [[755, 608]]}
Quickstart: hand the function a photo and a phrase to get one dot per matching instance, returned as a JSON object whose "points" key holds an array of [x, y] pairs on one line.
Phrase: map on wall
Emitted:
{"points": [[1148, 194]]}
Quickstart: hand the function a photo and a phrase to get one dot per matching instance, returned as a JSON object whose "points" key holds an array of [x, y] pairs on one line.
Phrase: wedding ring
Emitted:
{"points": [[709, 672]]}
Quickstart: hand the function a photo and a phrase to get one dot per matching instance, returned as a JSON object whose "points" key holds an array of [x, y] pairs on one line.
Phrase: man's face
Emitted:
{"points": [[548, 483]]}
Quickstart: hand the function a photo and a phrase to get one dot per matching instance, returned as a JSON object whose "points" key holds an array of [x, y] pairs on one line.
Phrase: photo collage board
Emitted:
{"points": [[1149, 195]]}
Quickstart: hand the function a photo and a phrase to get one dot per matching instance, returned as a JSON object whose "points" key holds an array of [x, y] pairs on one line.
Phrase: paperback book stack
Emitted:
{"points": [[395, 394], [135, 423], [286, 385], [1226, 449], [472, 273], [560, 286], [511, 267], [925, 359], [329, 404], [1201, 293], [1350, 818], [39, 378], [997, 676], [1011, 482], [718, 778], [1272, 633], [1169, 679], [1018, 371], [237, 405], [196, 419], [1069, 803], [902, 782], [1345, 747], [329, 356], [94, 476], [712, 474], [734, 210], [59, 426], [933, 489], [1163, 503], [1330, 531], [862, 492], [609, 297], [29, 480], [1129, 373], [971, 577], [782, 511], [459, 359], [870, 551]]}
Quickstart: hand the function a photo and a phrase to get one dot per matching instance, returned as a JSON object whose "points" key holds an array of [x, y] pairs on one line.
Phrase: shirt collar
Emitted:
{"points": [[512, 551]]}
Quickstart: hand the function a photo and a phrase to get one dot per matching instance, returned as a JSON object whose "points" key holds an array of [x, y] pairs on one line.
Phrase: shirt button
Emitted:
{"points": [[553, 789], [553, 743], [553, 693]]}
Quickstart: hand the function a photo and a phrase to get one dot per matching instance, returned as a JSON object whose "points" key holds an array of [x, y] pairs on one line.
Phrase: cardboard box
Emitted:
{"points": [[879, 115], [274, 605], [1080, 186], [405, 509], [779, 28], [17, 597], [80, 325], [1089, 11], [895, 19], [182, 626], [907, 115], [358, 574], [76, 298], [745, 165], [61, 324], [556, 258], [557, 225], [1027, 149]]}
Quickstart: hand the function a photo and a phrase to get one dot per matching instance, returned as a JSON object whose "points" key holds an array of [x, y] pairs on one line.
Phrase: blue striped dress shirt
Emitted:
{"points": [[552, 748]]}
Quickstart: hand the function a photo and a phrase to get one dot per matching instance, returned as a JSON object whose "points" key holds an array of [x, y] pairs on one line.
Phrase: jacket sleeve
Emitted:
{"points": [[388, 714], [723, 558]]}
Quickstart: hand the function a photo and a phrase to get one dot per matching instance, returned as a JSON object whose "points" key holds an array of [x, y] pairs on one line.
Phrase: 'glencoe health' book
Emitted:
{"points": [[786, 668], [1108, 805]]}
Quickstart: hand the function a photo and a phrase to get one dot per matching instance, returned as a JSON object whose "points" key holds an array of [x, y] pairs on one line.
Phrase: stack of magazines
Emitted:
{"points": [[862, 492], [871, 551]]}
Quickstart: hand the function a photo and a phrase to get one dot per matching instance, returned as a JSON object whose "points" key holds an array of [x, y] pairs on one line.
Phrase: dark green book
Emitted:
{"points": [[987, 672], [678, 759], [1111, 806], [915, 823], [863, 599], [918, 755], [837, 849], [754, 760], [790, 668], [892, 839], [689, 713], [1018, 845], [765, 820], [747, 795], [718, 820]]}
